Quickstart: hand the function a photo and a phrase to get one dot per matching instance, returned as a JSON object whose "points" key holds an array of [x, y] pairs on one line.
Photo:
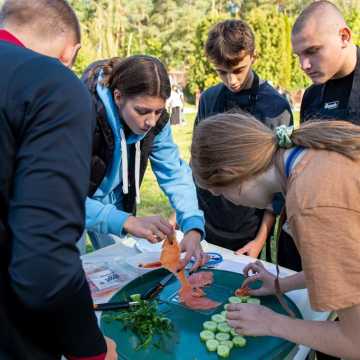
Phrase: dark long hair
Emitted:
{"points": [[136, 75]]}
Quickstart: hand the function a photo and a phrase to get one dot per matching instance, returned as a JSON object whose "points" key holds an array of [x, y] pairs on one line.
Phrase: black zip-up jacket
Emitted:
{"points": [[46, 124]]}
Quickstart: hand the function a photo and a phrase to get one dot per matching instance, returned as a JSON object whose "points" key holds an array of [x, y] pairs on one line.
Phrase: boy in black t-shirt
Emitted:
{"points": [[323, 42]]}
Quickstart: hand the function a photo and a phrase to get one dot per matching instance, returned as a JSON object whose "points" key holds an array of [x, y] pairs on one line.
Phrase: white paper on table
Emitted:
{"points": [[105, 278]]}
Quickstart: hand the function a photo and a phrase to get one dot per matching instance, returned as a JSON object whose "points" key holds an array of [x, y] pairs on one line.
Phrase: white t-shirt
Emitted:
{"points": [[175, 100]]}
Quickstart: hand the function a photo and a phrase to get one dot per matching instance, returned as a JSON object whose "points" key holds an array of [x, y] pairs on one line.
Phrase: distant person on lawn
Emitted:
{"points": [[132, 128], [230, 47], [175, 104], [46, 123]]}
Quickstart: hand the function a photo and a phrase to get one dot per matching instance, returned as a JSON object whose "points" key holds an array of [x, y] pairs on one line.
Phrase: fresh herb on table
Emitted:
{"points": [[146, 322]]}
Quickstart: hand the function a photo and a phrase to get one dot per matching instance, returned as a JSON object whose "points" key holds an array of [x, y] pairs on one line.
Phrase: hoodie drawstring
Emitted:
{"points": [[124, 160], [137, 171], [125, 170]]}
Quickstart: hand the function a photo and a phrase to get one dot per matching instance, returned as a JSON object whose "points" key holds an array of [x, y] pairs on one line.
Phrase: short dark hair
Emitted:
{"points": [[137, 75], [48, 17], [227, 40], [310, 11]]}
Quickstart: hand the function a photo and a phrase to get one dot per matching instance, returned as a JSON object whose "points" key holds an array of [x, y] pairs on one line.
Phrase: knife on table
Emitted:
{"points": [[148, 295], [115, 305], [152, 292]]}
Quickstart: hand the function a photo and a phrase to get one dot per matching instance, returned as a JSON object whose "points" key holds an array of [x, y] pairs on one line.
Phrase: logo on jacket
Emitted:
{"points": [[331, 105]]}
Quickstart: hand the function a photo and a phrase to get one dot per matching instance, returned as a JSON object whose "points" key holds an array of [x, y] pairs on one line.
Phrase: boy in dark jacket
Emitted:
{"points": [[231, 48]]}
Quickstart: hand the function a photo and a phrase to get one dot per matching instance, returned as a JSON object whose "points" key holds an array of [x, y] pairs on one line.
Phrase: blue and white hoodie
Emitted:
{"points": [[104, 210]]}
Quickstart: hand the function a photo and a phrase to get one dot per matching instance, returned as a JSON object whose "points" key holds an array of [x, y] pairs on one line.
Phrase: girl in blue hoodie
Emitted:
{"points": [[133, 127]]}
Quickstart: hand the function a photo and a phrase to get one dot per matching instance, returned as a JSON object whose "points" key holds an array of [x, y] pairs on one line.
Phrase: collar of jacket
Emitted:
{"points": [[10, 38]]}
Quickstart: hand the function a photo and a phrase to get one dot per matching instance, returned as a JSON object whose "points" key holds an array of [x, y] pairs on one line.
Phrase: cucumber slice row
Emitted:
{"points": [[223, 351], [218, 318], [219, 336], [210, 325], [239, 341], [212, 344], [253, 301], [244, 298], [234, 300], [222, 336], [227, 343], [207, 335], [224, 327]]}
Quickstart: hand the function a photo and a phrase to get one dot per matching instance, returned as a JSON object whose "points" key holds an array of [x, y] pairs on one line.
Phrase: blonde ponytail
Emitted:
{"points": [[333, 135], [231, 148]]}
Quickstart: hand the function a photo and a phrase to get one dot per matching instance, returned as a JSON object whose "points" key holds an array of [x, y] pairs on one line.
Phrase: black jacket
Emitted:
{"points": [[46, 123], [226, 224], [103, 145], [312, 104]]}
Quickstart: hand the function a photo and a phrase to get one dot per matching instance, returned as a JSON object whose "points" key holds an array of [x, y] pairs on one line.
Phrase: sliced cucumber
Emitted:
{"points": [[227, 343], [223, 351], [239, 341], [233, 332], [224, 313], [234, 300], [210, 325], [222, 336], [135, 297], [212, 344], [218, 318], [224, 327], [244, 298], [206, 335], [253, 301], [225, 306]]}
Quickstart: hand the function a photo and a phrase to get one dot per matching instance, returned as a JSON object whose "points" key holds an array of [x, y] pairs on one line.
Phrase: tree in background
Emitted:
{"points": [[201, 73], [175, 31], [171, 30]]}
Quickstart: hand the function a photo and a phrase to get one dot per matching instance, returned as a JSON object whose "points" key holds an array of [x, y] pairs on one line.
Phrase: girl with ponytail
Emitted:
{"points": [[317, 169], [132, 128]]}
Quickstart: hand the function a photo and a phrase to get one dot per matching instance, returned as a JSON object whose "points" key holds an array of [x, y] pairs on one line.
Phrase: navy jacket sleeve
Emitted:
{"points": [[200, 112], [52, 121]]}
